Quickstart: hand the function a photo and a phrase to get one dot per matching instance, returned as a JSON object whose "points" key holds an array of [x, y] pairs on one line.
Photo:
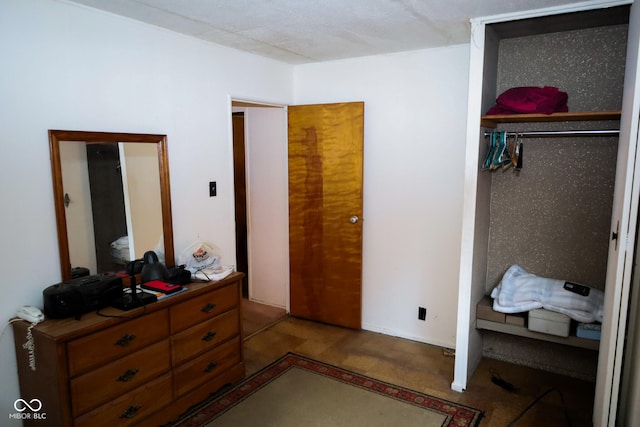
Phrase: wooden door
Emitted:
{"points": [[325, 209]]}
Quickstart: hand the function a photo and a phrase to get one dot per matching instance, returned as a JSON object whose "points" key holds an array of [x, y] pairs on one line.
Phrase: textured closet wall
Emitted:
{"points": [[587, 64], [553, 217]]}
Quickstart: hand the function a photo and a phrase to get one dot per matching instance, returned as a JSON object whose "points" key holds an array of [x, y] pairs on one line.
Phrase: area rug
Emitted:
{"points": [[298, 391]]}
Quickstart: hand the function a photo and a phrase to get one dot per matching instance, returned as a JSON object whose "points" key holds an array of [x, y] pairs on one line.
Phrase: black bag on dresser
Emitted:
{"points": [[179, 276]]}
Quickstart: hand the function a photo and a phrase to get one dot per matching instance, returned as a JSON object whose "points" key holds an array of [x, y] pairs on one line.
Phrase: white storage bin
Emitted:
{"points": [[549, 322]]}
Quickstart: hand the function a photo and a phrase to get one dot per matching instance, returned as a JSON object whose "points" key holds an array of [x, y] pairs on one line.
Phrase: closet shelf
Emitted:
{"points": [[488, 319], [522, 331], [492, 121]]}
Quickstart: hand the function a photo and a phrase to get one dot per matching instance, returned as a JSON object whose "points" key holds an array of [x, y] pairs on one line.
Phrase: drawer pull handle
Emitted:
{"points": [[130, 412], [210, 367], [128, 375], [125, 340], [209, 336], [208, 308]]}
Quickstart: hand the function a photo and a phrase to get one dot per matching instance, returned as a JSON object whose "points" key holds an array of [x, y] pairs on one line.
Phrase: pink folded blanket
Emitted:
{"points": [[530, 99]]}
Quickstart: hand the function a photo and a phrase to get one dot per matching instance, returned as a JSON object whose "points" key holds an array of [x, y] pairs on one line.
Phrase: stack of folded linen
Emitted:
{"points": [[120, 249], [520, 291]]}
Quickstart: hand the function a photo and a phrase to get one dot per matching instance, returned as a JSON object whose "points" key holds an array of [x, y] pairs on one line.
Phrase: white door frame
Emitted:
{"points": [[621, 252], [468, 340]]}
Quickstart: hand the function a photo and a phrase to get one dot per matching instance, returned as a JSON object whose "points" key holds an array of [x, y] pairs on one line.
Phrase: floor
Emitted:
{"points": [[256, 317], [428, 369]]}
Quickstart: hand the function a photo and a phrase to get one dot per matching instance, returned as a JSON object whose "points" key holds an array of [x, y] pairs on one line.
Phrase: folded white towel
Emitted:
{"points": [[521, 291], [120, 242], [211, 274]]}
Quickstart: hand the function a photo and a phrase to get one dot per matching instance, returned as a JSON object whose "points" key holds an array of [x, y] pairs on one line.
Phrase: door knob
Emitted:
{"points": [[354, 219]]}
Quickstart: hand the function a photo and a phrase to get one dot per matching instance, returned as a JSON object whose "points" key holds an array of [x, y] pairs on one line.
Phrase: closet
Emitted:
{"points": [[552, 217], [555, 215]]}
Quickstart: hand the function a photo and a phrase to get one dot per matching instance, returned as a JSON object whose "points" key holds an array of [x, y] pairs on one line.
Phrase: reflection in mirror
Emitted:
{"points": [[112, 199]]}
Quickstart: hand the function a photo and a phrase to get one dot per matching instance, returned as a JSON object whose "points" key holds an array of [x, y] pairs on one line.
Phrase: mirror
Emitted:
{"points": [[112, 199]]}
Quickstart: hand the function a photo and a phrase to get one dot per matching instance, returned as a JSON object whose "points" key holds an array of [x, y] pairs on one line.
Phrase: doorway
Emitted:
{"points": [[107, 202], [267, 166], [240, 188], [260, 190]]}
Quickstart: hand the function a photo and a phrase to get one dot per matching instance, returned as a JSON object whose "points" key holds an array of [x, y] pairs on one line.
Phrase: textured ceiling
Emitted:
{"points": [[302, 31]]}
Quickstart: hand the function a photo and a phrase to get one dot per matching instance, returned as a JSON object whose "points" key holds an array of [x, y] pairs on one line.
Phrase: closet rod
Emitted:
{"points": [[561, 133]]}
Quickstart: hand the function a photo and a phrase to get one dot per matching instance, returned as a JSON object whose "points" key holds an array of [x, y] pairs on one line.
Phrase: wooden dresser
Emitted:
{"points": [[145, 369]]}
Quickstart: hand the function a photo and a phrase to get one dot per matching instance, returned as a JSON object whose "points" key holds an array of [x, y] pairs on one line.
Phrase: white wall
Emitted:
{"points": [[70, 67], [415, 120]]}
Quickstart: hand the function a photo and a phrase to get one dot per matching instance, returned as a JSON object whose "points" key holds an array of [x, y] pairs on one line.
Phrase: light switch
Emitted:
{"points": [[212, 189]]}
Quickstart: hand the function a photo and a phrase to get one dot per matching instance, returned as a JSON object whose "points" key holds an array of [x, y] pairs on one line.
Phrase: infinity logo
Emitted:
{"points": [[21, 405]]}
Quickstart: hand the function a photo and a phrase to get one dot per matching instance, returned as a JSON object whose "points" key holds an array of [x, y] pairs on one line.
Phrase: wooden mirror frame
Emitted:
{"points": [[58, 136]]}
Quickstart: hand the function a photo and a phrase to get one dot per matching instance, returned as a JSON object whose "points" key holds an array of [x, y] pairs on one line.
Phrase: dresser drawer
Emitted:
{"points": [[207, 366], [117, 378], [132, 407], [117, 341], [200, 338], [204, 307]]}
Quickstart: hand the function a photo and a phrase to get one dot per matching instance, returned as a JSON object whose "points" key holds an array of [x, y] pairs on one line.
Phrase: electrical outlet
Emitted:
{"points": [[422, 313], [212, 189]]}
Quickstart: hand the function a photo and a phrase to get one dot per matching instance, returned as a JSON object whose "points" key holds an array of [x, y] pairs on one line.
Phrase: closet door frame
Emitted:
{"points": [[471, 283], [621, 251]]}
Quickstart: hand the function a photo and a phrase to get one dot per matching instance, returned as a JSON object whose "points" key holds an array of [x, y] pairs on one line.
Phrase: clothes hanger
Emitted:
{"points": [[488, 161], [499, 148], [505, 156], [501, 156], [503, 152], [519, 149]]}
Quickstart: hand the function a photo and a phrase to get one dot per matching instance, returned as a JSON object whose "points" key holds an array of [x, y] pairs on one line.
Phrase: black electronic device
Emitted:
{"points": [[78, 296], [134, 298], [79, 272], [129, 301], [577, 288]]}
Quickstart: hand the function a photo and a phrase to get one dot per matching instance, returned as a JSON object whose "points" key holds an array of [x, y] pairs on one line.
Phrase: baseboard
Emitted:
{"points": [[391, 332]]}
